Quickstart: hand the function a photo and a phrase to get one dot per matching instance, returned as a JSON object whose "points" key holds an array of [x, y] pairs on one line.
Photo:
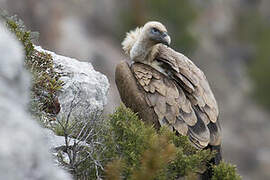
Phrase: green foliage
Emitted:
{"points": [[129, 138], [146, 153], [188, 160], [155, 158], [63, 127], [46, 81], [255, 30], [225, 171]]}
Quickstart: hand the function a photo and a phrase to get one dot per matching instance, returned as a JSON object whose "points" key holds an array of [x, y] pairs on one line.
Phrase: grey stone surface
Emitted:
{"points": [[55, 141], [85, 89], [24, 154], [56, 144]]}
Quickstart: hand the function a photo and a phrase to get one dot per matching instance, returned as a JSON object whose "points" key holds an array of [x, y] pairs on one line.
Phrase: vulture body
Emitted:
{"points": [[168, 89]]}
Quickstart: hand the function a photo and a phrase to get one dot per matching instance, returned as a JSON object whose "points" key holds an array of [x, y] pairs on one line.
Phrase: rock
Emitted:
{"points": [[57, 144], [85, 90], [24, 153], [53, 140]]}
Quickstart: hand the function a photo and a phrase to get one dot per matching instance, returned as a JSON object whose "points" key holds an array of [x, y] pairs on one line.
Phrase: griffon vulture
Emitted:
{"points": [[168, 89]]}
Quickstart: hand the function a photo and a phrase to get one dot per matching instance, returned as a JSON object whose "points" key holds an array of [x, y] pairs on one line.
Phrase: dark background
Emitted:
{"points": [[228, 39]]}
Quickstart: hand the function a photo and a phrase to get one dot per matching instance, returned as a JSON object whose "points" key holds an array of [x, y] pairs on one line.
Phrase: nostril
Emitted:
{"points": [[164, 34]]}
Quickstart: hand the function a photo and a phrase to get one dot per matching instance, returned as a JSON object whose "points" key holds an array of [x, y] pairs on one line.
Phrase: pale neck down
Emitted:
{"points": [[141, 50]]}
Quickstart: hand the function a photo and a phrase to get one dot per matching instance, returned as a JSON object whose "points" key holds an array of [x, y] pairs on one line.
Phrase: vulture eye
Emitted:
{"points": [[155, 31]]}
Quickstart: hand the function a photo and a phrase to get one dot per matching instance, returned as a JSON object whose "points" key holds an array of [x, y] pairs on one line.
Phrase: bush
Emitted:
{"points": [[136, 150], [123, 147], [225, 172], [46, 83]]}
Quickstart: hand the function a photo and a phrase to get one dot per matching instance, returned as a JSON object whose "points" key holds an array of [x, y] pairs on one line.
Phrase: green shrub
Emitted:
{"points": [[128, 139], [225, 171], [137, 150], [46, 83]]}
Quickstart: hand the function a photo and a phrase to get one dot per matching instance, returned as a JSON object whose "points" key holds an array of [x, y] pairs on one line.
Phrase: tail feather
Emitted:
{"points": [[130, 39]]}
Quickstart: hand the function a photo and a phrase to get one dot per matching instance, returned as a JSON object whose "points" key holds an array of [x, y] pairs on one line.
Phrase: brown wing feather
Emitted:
{"points": [[161, 100], [171, 105], [196, 87], [169, 102]]}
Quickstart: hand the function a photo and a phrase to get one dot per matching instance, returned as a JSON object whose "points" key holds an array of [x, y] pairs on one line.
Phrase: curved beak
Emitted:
{"points": [[165, 39]]}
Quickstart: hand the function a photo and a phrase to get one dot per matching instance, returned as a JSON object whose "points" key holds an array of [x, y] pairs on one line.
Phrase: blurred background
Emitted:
{"points": [[228, 39]]}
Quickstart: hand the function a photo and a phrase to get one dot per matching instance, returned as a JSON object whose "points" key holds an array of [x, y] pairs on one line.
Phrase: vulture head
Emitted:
{"points": [[141, 41], [155, 32]]}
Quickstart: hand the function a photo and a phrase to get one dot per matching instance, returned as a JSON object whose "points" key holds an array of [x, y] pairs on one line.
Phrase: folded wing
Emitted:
{"points": [[181, 97]]}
